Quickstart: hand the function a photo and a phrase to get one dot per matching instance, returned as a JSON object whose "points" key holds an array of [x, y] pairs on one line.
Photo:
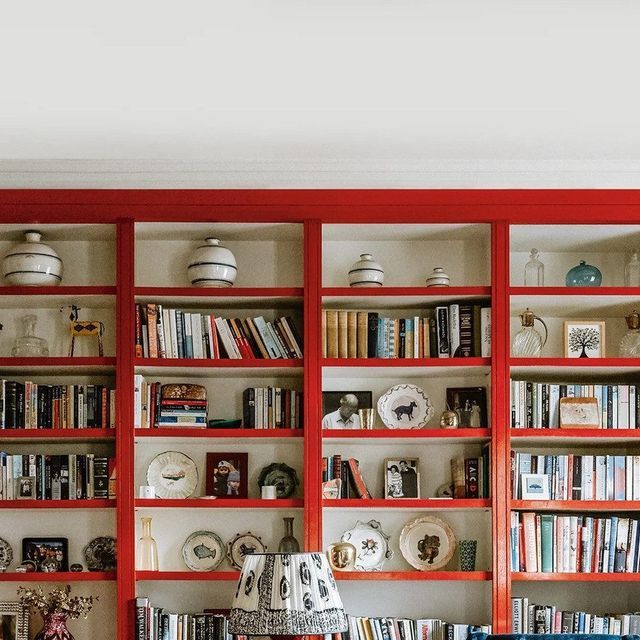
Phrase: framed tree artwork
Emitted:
{"points": [[584, 339]]}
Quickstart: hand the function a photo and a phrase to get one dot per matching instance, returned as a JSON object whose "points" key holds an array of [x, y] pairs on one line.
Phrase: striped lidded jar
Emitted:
{"points": [[32, 263], [212, 265], [366, 272]]}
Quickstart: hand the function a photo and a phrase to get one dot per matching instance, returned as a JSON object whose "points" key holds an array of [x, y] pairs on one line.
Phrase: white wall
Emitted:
{"points": [[320, 93]]}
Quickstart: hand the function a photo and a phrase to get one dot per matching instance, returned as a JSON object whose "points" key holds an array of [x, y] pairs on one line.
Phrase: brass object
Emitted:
{"points": [[342, 556], [449, 419]]}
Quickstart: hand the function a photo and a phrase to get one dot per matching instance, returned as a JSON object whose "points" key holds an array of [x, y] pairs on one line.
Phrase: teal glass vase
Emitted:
{"points": [[584, 275]]}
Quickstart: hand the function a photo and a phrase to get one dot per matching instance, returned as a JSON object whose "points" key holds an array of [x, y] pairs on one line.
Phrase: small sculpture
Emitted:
{"points": [[84, 328]]}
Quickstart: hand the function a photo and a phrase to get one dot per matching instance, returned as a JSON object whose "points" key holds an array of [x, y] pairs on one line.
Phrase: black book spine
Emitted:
{"points": [[402, 338], [372, 335], [529, 403], [576, 489], [64, 477], [101, 477]]}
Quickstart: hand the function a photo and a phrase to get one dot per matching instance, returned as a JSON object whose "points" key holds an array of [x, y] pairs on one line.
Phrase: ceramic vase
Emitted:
{"points": [[438, 278], [147, 552], [366, 272], [32, 263], [55, 627], [584, 275], [632, 270], [288, 544], [212, 265]]}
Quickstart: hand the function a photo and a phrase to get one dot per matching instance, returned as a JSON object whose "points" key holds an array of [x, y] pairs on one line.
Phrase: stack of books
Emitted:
{"points": [[361, 628], [470, 476], [153, 409], [453, 331], [544, 618], [350, 483], [271, 408], [551, 543]]}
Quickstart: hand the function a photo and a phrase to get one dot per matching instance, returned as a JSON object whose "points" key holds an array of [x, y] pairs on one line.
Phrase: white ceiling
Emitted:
{"points": [[320, 93]]}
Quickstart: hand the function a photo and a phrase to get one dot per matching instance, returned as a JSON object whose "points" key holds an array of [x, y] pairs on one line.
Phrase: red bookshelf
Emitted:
{"points": [[275, 293], [406, 362], [465, 576], [576, 505], [575, 577], [220, 363], [59, 291], [55, 435], [220, 503], [96, 503], [435, 504], [406, 292], [575, 291], [199, 576], [240, 434], [465, 435], [59, 576]]}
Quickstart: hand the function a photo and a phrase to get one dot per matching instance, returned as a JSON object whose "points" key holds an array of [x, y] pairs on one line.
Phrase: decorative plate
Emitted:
{"points": [[371, 543], [280, 475], [173, 474], [100, 554], [203, 551], [6, 555], [242, 545], [427, 543], [405, 406]]}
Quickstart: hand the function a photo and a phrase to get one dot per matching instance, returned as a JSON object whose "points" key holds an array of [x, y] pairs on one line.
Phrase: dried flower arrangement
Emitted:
{"points": [[59, 600]]}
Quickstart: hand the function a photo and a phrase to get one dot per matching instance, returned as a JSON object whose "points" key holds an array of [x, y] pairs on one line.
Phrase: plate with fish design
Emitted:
{"points": [[203, 551], [173, 474]]}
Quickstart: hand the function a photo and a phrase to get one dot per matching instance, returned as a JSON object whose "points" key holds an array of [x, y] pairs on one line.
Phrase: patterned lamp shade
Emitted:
{"points": [[286, 594]]}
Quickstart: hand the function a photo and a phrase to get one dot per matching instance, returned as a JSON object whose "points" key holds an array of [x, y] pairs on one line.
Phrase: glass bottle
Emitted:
{"points": [[29, 345], [288, 544], [632, 270], [147, 552], [630, 343], [528, 342], [534, 271]]}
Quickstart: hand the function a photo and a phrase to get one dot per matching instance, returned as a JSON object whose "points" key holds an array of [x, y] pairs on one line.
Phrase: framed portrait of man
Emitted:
{"points": [[340, 408]]}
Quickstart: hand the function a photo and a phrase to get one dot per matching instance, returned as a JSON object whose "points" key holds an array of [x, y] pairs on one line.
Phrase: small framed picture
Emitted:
{"points": [[14, 621], [470, 403], [227, 475], [535, 486], [584, 339], [26, 488], [340, 408], [579, 413], [401, 478], [48, 554], [331, 490]]}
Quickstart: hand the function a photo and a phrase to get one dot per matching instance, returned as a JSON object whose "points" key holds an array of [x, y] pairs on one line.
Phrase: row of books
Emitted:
{"points": [[150, 409], [31, 405], [271, 408], [351, 483], [364, 628], [173, 333], [537, 404], [156, 623], [56, 477], [551, 543], [470, 476], [543, 618], [577, 477], [454, 331]]}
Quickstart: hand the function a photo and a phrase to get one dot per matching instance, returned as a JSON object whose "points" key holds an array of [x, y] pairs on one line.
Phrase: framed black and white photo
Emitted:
{"points": [[470, 403], [26, 489], [340, 408], [401, 478], [535, 486], [48, 554], [14, 621]]}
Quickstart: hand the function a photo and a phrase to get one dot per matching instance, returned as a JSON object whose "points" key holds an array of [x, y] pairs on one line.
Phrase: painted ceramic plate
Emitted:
{"points": [[100, 554], [173, 474], [427, 543], [203, 551], [6, 555], [243, 545], [371, 543], [282, 476], [405, 406]]}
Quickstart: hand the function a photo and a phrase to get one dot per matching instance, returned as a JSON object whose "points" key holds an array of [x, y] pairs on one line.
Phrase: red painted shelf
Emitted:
{"points": [[575, 362], [406, 362], [382, 292], [574, 577], [241, 434], [562, 434], [220, 363], [59, 576], [407, 503], [63, 290], [187, 575], [410, 434], [574, 291], [413, 575], [576, 505], [57, 361], [220, 503], [220, 292], [57, 434], [98, 503]]}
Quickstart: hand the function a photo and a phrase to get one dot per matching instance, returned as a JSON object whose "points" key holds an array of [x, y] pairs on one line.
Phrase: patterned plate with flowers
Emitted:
{"points": [[371, 543]]}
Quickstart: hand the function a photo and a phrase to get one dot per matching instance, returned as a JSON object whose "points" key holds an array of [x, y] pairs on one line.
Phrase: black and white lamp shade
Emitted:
{"points": [[286, 594]]}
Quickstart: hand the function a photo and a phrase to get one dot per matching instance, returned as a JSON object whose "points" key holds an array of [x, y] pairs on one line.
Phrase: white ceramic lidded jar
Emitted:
{"points": [[438, 278], [212, 265], [366, 272], [32, 263]]}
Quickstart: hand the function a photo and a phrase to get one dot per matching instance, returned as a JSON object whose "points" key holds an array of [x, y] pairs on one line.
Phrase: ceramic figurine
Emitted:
{"points": [[212, 265], [438, 278], [366, 272], [584, 275], [32, 263]]}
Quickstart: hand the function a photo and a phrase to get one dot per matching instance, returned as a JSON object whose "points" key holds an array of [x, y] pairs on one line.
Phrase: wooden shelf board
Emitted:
{"points": [[219, 503], [240, 434], [55, 435], [574, 577], [439, 435], [187, 575], [438, 504], [97, 503], [413, 575], [576, 505], [59, 576], [575, 291]]}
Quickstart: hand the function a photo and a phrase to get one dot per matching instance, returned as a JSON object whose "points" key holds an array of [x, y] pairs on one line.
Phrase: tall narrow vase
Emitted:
{"points": [[288, 544], [55, 627], [147, 553]]}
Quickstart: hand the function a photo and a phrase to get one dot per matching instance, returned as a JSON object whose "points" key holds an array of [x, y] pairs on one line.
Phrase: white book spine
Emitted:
{"points": [[485, 332], [196, 335], [454, 330]]}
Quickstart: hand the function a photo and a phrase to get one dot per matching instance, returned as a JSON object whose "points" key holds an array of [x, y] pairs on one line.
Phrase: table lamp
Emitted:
{"points": [[286, 595]]}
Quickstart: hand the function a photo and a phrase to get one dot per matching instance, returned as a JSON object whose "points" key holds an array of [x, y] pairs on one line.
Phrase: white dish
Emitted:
{"points": [[427, 543], [203, 551], [173, 475], [241, 546], [405, 406], [371, 543]]}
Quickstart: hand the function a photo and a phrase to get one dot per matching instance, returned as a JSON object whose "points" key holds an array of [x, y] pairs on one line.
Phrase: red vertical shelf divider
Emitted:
{"points": [[312, 385], [125, 513]]}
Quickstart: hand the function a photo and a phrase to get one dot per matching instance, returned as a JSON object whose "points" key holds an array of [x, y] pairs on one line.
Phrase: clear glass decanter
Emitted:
{"points": [[528, 342], [29, 345], [147, 552], [534, 271], [630, 343], [632, 270], [288, 544]]}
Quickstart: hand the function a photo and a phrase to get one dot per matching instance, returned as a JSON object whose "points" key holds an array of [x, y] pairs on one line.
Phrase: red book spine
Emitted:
{"points": [[138, 332], [358, 480]]}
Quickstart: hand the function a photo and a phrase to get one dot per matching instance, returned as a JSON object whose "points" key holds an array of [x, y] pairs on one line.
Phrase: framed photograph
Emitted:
{"points": [[470, 403], [26, 489], [535, 486], [227, 475], [332, 489], [401, 478], [583, 339], [14, 621], [579, 413], [340, 408], [48, 554]]}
